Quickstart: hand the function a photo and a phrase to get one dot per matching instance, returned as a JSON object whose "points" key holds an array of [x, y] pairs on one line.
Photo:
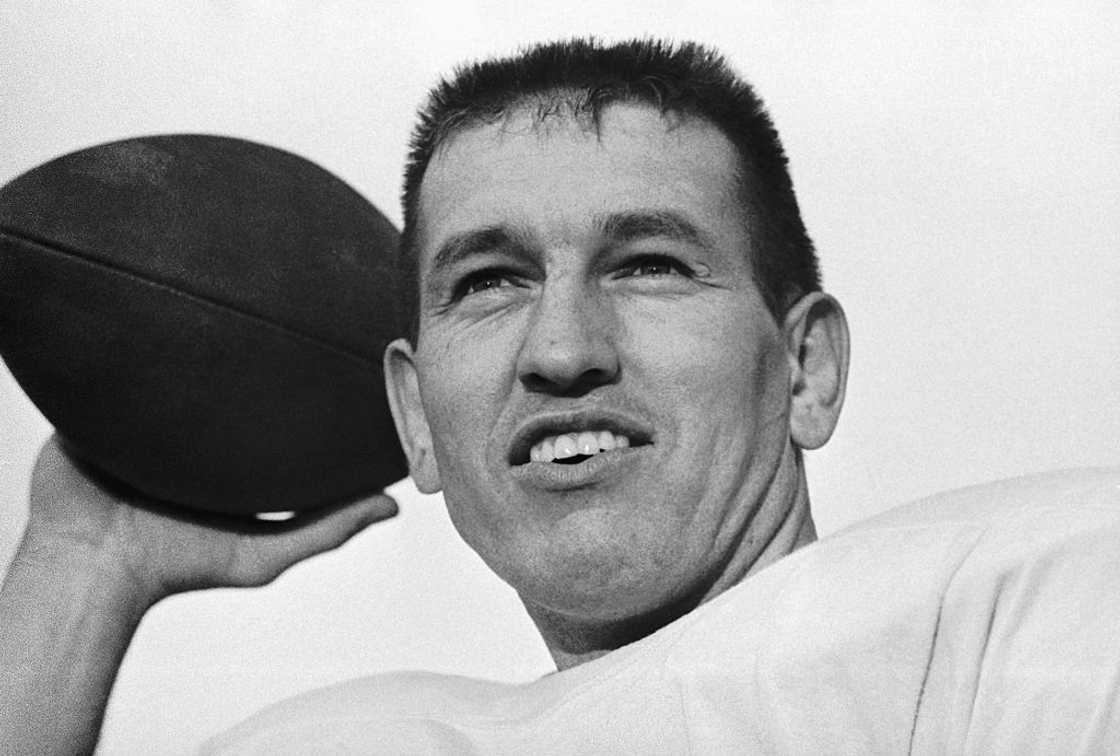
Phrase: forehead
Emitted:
{"points": [[552, 176]]}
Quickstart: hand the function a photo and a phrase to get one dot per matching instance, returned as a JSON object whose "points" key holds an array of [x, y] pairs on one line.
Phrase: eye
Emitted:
{"points": [[482, 280], [653, 265]]}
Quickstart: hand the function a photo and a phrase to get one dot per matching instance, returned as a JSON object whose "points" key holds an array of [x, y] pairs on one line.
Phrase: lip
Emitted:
{"points": [[602, 467], [553, 424]]}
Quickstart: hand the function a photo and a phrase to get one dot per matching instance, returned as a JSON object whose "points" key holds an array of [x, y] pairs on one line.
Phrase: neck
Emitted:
{"points": [[782, 524]]}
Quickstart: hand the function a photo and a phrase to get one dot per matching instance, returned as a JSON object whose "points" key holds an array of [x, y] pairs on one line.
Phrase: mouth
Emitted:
{"points": [[574, 438]]}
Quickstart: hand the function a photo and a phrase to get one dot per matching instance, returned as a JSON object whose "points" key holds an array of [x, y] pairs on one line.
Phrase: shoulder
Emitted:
{"points": [[1059, 531], [1026, 623], [984, 613], [918, 551], [382, 712], [1075, 496], [1066, 517]]}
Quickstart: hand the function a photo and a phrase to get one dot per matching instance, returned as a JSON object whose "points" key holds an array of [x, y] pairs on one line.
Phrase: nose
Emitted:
{"points": [[569, 346]]}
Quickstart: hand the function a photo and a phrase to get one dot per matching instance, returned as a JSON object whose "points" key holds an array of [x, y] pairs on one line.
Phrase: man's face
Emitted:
{"points": [[603, 389]]}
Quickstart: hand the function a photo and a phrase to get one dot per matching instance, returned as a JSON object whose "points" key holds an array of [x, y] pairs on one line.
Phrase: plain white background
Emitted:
{"points": [[958, 170]]}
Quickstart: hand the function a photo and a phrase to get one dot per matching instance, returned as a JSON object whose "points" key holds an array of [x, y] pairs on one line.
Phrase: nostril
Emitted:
{"points": [[559, 384], [535, 382]]}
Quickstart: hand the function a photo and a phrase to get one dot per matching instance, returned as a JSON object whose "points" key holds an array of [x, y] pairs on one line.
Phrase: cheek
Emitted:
{"points": [[713, 358], [720, 378], [461, 389]]}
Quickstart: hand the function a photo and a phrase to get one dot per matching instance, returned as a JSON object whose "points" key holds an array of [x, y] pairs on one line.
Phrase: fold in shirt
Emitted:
{"points": [[985, 620]]}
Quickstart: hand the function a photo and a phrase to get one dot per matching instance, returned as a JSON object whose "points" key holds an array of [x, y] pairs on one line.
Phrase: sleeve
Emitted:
{"points": [[1026, 657]]}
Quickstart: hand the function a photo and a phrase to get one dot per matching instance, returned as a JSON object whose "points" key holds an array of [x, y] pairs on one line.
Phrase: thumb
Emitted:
{"points": [[265, 555]]}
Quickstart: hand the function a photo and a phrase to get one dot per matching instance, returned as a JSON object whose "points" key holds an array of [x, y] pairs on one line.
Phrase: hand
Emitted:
{"points": [[162, 550], [92, 561]]}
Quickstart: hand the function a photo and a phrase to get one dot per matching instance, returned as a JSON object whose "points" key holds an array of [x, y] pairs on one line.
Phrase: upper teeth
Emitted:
{"points": [[571, 444]]}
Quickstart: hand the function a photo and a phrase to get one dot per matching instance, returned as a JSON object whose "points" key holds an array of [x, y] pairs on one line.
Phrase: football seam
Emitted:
{"points": [[80, 257]]}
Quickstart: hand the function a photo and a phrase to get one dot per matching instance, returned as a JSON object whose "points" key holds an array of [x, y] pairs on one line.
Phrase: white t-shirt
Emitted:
{"points": [[986, 620]]}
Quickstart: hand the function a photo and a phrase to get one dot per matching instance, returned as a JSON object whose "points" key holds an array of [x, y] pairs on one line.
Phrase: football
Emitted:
{"points": [[202, 319]]}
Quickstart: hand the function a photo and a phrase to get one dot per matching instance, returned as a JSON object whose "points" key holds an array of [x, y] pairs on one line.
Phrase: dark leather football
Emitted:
{"points": [[203, 319]]}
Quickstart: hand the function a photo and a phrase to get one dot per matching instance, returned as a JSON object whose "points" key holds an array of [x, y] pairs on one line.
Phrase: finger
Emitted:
{"points": [[60, 469], [64, 493], [51, 464], [268, 555]]}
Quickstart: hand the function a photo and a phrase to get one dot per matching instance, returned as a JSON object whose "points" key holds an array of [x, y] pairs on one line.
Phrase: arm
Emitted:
{"points": [[67, 621], [90, 565]]}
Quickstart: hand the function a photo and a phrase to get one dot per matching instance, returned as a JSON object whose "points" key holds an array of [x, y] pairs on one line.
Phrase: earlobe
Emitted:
{"points": [[816, 333], [402, 386]]}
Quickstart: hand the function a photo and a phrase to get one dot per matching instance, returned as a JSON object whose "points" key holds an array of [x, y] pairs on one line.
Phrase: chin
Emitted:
{"points": [[598, 587], [597, 561]]}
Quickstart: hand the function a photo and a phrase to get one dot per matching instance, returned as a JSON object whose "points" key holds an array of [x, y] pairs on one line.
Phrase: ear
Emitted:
{"points": [[816, 333], [402, 385]]}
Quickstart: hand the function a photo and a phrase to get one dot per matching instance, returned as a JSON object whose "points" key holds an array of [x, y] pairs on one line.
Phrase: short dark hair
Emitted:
{"points": [[582, 76]]}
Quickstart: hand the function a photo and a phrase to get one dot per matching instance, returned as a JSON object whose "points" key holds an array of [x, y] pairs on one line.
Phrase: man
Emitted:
{"points": [[620, 349], [598, 265]]}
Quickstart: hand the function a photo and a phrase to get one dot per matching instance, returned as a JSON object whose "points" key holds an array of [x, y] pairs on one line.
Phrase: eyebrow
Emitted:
{"points": [[633, 225], [615, 228], [477, 241]]}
